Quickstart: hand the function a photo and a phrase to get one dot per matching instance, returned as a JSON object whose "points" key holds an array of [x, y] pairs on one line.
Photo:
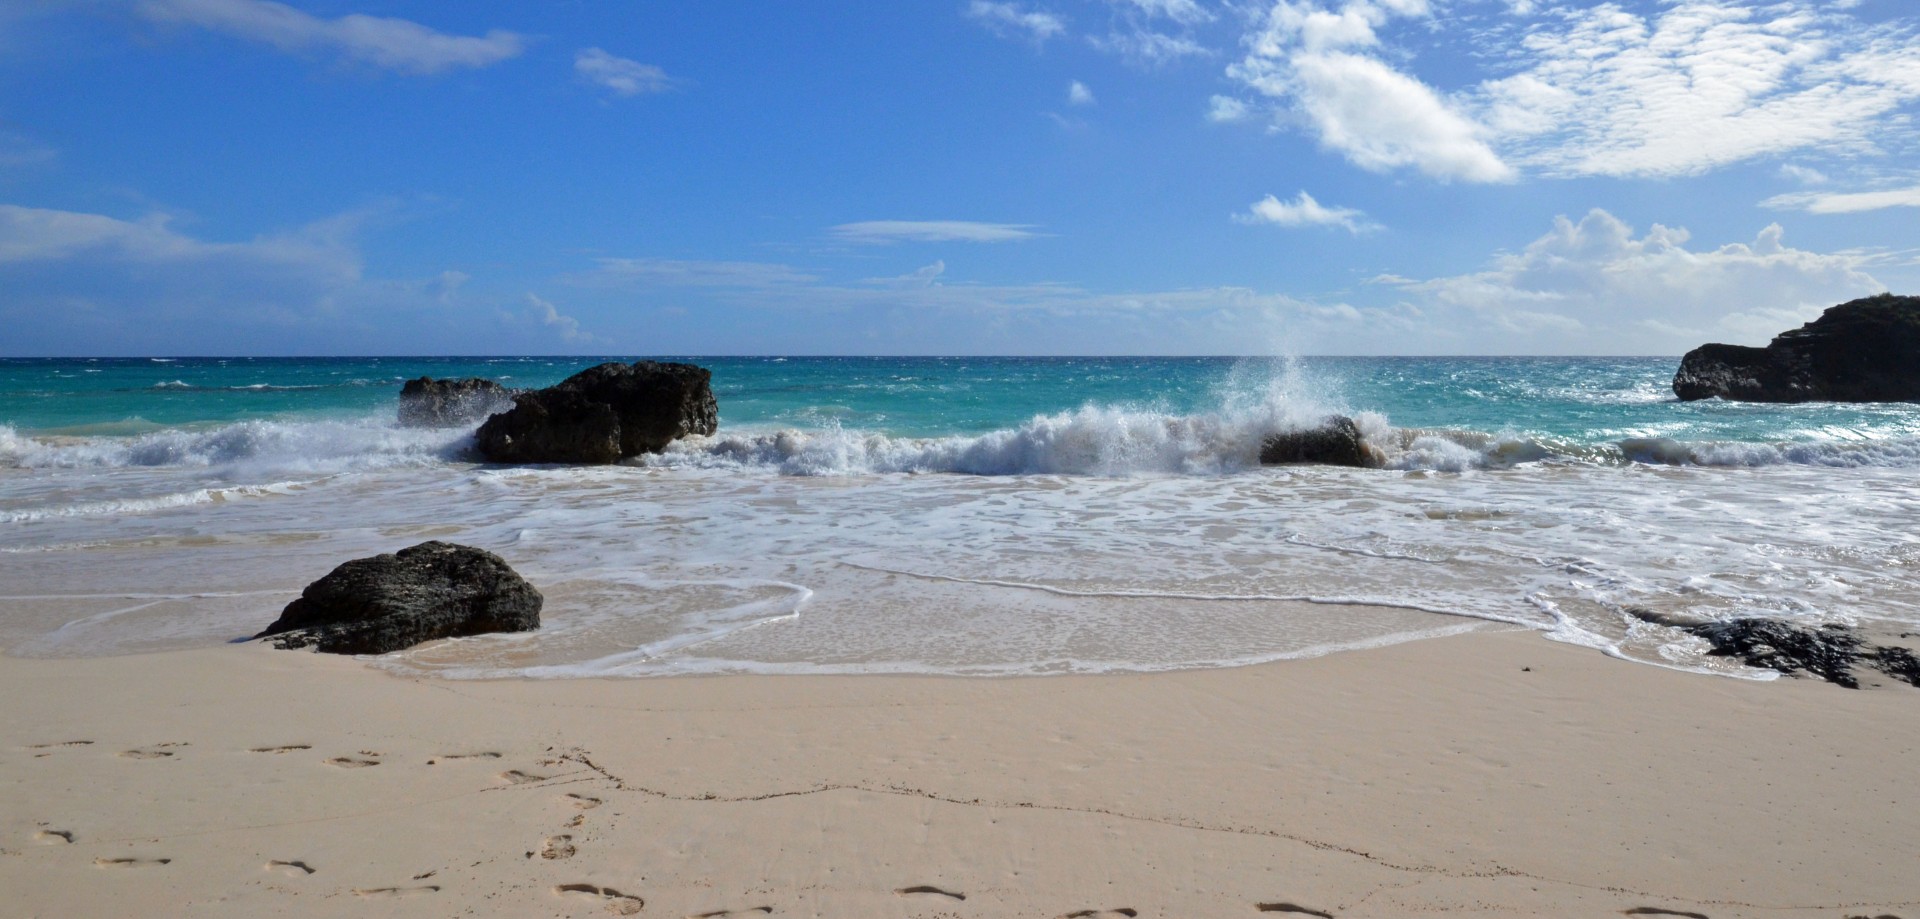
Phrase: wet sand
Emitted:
{"points": [[1494, 773]]}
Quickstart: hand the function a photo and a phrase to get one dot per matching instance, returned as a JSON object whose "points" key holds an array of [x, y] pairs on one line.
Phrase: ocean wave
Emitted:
{"points": [[127, 507], [312, 446]]}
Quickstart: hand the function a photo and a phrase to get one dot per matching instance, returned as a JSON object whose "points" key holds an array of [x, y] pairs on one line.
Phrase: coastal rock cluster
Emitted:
{"points": [[1336, 442], [1832, 652], [394, 601], [1863, 351], [430, 403], [603, 414]]}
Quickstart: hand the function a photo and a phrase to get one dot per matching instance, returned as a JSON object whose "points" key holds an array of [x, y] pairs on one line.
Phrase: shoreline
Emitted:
{"points": [[1422, 778]]}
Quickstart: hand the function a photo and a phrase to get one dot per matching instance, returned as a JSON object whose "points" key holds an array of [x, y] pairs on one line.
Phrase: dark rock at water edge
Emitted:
{"points": [[1862, 351], [390, 602], [1336, 442], [603, 414], [430, 403], [1831, 652]]}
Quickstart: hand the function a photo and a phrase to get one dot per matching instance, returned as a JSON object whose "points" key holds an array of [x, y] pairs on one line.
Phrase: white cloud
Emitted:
{"points": [[1320, 63], [621, 75], [925, 231], [1803, 174], [924, 276], [1079, 94], [1304, 211], [17, 150], [620, 272], [1594, 287], [39, 235], [1185, 12], [1700, 84], [1845, 202], [567, 327], [1224, 109], [1148, 48], [1011, 19], [395, 44]]}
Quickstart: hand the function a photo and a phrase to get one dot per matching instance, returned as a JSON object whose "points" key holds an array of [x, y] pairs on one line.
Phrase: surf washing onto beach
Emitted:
{"points": [[965, 516]]}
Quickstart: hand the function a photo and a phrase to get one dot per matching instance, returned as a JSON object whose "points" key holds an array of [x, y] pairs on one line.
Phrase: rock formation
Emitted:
{"points": [[389, 602], [1863, 351], [603, 414], [1336, 442], [430, 403]]}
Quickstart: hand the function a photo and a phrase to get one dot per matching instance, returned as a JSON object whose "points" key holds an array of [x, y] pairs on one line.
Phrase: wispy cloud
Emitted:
{"points": [[931, 231], [1698, 84], [1015, 20], [395, 44], [1148, 48], [1845, 202], [1304, 211], [1079, 94], [1226, 109], [1185, 12], [550, 317], [623, 76]]}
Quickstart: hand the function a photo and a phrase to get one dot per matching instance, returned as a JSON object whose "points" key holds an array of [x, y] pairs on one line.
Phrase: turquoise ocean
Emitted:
{"points": [[963, 515]]}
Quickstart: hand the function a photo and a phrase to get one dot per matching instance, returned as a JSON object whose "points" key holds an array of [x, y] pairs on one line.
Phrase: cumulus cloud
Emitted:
{"points": [[549, 316], [395, 44], [1225, 109], [1322, 64], [1593, 286], [928, 231], [1079, 94], [1012, 19], [623, 76], [1304, 211]]}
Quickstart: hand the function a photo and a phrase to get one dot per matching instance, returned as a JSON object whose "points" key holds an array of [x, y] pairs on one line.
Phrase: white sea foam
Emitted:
{"points": [[287, 445]]}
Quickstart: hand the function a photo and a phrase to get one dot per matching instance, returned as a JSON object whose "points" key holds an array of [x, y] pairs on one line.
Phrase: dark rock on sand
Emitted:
{"points": [[389, 602], [1831, 652], [1863, 351], [430, 403], [1336, 442], [603, 414]]}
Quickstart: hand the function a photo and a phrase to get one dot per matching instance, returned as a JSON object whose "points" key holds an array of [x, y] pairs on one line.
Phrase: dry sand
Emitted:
{"points": [[1441, 777]]}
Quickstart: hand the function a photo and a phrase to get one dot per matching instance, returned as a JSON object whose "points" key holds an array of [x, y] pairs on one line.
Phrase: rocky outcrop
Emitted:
{"points": [[390, 602], [1832, 652], [603, 414], [1336, 442], [1863, 351], [430, 403]]}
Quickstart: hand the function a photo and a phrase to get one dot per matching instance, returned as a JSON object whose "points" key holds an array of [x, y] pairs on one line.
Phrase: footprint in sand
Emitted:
{"points": [[1293, 908], [394, 893], [723, 913], [1102, 913], [927, 888], [146, 753], [489, 754], [53, 837], [57, 746], [516, 777], [621, 904], [583, 802], [289, 748], [348, 762], [1657, 911], [558, 847], [291, 869], [130, 862]]}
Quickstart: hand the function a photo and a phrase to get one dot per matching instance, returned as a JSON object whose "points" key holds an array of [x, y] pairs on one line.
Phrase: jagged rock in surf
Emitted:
{"points": [[603, 414], [430, 403], [1832, 652], [1862, 351], [1336, 442], [395, 601]]}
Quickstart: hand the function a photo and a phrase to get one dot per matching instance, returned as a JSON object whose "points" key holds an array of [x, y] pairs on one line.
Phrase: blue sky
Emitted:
{"points": [[965, 177]]}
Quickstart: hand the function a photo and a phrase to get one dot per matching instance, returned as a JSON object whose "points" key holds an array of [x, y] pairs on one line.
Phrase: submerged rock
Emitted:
{"points": [[1862, 351], [430, 403], [1831, 652], [390, 602], [603, 414], [1336, 442]]}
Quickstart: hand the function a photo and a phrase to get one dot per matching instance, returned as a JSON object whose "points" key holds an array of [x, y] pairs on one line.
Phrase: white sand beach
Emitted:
{"points": [[1494, 773]]}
